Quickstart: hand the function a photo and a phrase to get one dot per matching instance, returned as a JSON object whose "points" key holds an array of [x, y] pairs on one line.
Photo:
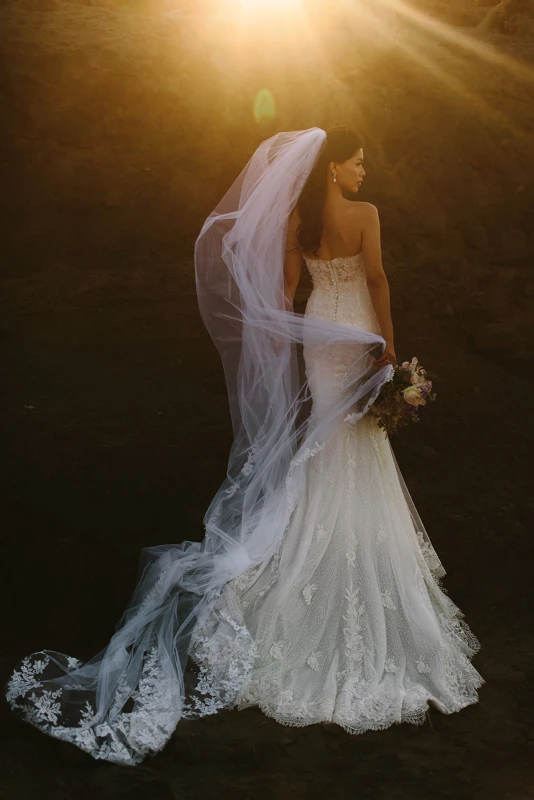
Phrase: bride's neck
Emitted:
{"points": [[335, 202]]}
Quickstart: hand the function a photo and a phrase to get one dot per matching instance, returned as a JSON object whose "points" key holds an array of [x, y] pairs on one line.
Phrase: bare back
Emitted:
{"points": [[342, 232], [347, 231]]}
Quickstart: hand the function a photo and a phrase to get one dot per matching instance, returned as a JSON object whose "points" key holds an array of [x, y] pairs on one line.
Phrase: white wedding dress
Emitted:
{"points": [[342, 620], [348, 622]]}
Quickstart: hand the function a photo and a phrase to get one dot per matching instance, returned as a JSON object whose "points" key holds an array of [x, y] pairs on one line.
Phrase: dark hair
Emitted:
{"points": [[341, 144]]}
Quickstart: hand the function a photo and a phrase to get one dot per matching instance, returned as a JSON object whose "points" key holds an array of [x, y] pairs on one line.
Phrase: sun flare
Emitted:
{"points": [[269, 5]]}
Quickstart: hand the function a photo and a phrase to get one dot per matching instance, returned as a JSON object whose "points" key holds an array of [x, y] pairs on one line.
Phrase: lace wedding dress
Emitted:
{"points": [[315, 592], [348, 622]]}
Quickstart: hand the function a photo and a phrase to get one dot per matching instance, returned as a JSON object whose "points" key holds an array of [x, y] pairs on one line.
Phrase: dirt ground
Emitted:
{"points": [[115, 437]]}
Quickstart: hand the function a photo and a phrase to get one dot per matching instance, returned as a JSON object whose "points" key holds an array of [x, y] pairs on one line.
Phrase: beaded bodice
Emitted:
{"points": [[343, 269], [340, 291]]}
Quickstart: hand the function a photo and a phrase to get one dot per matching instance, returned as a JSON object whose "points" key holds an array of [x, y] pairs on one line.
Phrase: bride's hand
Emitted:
{"points": [[387, 357]]}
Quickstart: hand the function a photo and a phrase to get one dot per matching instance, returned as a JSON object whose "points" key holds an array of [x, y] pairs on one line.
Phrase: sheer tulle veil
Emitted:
{"points": [[125, 702]]}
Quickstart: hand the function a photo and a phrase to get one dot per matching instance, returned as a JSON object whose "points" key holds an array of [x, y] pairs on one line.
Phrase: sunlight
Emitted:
{"points": [[453, 35], [268, 5], [265, 42], [424, 24]]}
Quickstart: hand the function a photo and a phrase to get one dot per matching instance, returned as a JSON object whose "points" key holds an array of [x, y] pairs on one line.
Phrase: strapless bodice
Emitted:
{"points": [[342, 269], [340, 291]]}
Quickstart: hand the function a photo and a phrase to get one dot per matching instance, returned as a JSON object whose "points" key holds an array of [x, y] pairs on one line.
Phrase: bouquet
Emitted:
{"points": [[401, 397]]}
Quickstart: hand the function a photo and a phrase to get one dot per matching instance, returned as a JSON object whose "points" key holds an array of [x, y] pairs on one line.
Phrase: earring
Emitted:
{"points": [[334, 178]]}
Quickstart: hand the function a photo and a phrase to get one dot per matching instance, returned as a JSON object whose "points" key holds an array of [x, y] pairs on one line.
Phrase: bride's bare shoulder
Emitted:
{"points": [[365, 215], [362, 207]]}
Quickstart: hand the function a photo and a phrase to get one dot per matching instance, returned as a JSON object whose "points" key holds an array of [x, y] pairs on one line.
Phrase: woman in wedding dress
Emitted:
{"points": [[349, 618], [316, 593]]}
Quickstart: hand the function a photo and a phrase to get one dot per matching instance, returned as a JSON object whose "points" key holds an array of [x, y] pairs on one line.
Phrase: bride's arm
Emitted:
{"points": [[377, 282], [293, 259]]}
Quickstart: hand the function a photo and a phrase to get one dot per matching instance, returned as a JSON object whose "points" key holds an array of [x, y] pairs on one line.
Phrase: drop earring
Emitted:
{"points": [[334, 178]]}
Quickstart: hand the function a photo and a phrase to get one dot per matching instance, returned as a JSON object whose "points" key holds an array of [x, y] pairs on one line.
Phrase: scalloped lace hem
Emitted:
{"points": [[414, 716]]}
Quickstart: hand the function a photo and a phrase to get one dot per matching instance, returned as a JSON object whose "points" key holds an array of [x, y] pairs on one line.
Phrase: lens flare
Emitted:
{"points": [[264, 106]]}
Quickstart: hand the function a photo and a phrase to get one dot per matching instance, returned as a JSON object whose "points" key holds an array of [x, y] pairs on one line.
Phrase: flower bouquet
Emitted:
{"points": [[400, 398]]}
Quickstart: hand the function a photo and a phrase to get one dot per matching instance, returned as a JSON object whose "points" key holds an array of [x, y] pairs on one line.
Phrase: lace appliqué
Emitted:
{"points": [[387, 600], [321, 532], [243, 582], [225, 653], [122, 737], [277, 650], [307, 593], [430, 556], [422, 666], [250, 463], [235, 484], [313, 660], [352, 633], [381, 534], [308, 453], [361, 703]]}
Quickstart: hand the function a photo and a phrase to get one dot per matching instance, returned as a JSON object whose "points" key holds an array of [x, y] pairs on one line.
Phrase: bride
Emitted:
{"points": [[316, 593]]}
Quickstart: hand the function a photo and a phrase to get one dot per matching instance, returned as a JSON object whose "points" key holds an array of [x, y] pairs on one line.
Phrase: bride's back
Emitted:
{"points": [[342, 233]]}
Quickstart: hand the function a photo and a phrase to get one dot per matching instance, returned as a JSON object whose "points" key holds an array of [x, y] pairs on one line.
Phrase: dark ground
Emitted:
{"points": [[115, 436]]}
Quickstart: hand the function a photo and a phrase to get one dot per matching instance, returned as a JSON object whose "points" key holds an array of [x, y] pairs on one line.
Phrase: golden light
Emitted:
{"points": [[424, 28], [265, 44], [268, 5]]}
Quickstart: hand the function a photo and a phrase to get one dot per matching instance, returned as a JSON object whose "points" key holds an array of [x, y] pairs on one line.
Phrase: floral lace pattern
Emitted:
{"points": [[332, 644], [123, 737], [342, 270], [348, 622], [308, 453], [340, 292]]}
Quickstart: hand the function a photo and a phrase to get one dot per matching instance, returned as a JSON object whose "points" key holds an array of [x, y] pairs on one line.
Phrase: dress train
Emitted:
{"points": [[349, 621]]}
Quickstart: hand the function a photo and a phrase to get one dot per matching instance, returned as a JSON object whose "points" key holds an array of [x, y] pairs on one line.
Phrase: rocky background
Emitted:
{"points": [[123, 125]]}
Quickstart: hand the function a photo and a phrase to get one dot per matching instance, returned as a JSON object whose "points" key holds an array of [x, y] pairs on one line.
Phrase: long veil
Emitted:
{"points": [[126, 701]]}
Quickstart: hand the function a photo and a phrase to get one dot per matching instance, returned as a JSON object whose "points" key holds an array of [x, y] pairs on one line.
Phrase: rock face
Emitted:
{"points": [[124, 129]]}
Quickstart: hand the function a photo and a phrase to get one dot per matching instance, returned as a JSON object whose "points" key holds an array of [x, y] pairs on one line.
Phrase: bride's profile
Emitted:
{"points": [[315, 594]]}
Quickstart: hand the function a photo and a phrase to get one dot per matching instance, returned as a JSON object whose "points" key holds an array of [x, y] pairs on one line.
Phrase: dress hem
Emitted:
{"points": [[414, 717]]}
